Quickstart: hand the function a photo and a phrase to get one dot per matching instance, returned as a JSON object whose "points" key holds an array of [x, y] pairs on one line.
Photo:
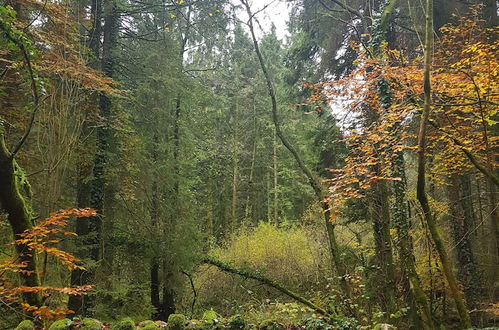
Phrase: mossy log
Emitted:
{"points": [[255, 275]]}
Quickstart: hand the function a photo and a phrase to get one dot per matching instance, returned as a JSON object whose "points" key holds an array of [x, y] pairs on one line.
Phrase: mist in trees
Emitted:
{"points": [[185, 164]]}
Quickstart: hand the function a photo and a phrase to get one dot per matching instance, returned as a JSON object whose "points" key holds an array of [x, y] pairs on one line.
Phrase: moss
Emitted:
{"points": [[124, 324], [198, 325], [176, 322], [236, 322], [61, 324], [148, 325], [25, 325], [90, 324], [211, 316]]}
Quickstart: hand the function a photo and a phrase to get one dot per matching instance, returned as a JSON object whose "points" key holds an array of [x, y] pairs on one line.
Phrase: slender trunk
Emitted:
{"points": [[313, 181], [274, 161], [210, 217], [269, 193], [235, 164], [235, 175], [421, 190], [250, 197], [154, 270]]}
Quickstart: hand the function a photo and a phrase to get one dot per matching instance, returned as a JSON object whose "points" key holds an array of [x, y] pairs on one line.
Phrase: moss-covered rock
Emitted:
{"points": [[176, 322], [61, 324], [124, 324], [25, 325], [211, 316], [90, 324], [236, 322], [149, 325], [198, 325]]}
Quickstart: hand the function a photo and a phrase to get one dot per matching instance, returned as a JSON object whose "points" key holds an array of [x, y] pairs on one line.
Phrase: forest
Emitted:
{"points": [[249, 164]]}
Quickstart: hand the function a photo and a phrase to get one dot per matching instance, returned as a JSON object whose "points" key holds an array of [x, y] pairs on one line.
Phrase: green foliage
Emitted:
{"points": [[61, 324], [316, 324], [124, 324], [25, 325], [124, 300], [176, 322], [90, 324]]}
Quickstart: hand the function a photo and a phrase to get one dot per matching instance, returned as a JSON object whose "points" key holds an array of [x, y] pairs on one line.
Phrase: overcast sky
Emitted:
{"points": [[277, 12]]}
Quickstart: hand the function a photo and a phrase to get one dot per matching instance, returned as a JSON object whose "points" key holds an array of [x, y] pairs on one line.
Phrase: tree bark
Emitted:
{"points": [[416, 297], [77, 303], [461, 224], [380, 216], [421, 190], [19, 216]]}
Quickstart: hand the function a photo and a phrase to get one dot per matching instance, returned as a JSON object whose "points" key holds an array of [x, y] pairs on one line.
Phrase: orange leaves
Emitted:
{"points": [[384, 94], [39, 239], [46, 313]]}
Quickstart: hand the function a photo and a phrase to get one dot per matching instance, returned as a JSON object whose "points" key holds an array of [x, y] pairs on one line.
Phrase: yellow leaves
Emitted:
{"points": [[465, 95]]}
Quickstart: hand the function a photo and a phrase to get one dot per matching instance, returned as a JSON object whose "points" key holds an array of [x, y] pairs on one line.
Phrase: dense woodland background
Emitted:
{"points": [[219, 159]]}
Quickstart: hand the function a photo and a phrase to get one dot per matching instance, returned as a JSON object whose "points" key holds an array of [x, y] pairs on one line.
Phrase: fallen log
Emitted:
{"points": [[256, 275]]}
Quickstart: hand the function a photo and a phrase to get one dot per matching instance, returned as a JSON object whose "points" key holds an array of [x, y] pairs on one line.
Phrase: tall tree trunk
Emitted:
{"points": [[421, 190], [251, 193], [312, 179], [413, 289], [154, 212], [461, 225], [235, 162], [210, 217], [19, 216], [80, 277], [380, 215], [13, 181]]}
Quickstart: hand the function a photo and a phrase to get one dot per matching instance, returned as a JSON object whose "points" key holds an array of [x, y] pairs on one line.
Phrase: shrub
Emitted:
{"points": [[295, 258]]}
